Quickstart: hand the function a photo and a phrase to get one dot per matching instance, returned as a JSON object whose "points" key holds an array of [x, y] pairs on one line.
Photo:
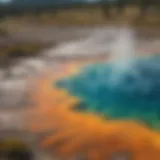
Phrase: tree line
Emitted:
{"points": [[105, 5], [143, 5]]}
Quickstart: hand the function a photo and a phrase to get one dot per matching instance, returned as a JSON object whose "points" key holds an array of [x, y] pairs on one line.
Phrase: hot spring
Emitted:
{"points": [[125, 88]]}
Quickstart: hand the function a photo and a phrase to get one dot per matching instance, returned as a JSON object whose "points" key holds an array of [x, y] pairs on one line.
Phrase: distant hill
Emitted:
{"points": [[17, 7], [47, 3]]}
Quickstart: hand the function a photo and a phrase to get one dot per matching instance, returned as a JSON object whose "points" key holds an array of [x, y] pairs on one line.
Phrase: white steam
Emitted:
{"points": [[121, 55], [123, 50]]}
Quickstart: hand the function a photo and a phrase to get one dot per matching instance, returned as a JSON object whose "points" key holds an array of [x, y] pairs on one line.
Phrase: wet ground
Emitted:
{"points": [[72, 43]]}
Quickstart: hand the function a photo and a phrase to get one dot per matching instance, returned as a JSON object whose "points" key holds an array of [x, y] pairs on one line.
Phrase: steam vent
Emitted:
{"points": [[102, 110], [94, 98], [132, 93]]}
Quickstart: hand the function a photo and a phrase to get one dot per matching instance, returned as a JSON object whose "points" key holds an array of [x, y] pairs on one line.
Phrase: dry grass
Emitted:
{"points": [[83, 17], [22, 49], [92, 16], [87, 16], [11, 51], [3, 32]]}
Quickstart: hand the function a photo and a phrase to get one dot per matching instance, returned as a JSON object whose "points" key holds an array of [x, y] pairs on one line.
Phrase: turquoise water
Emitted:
{"points": [[130, 94]]}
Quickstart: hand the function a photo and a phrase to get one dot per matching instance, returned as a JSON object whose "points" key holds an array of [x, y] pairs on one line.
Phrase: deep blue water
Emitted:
{"points": [[130, 94]]}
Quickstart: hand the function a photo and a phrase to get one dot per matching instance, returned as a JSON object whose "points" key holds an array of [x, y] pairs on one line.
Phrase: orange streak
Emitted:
{"points": [[86, 134]]}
